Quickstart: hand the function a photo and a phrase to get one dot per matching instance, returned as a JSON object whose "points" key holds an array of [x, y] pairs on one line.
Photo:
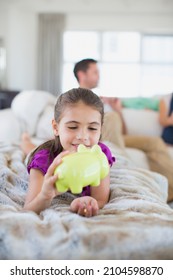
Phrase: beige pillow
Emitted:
{"points": [[112, 129], [142, 122], [10, 127]]}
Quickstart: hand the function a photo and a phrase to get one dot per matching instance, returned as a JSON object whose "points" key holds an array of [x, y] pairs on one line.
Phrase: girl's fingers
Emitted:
{"points": [[75, 205], [62, 154], [87, 210], [94, 211], [53, 179], [80, 209], [56, 162], [52, 167], [84, 208], [94, 207]]}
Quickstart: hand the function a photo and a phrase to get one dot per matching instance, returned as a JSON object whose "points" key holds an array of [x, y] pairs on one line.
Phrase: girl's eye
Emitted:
{"points": [[72, 127], [92, 128]]}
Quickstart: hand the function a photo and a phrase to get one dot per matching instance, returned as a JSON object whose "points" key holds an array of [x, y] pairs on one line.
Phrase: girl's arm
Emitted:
{"points": [[41, 188], [36, 199], [102, 192], [164, 119]]}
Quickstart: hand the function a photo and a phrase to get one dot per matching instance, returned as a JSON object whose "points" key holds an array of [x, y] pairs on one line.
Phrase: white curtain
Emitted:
{"points": [[50, 52]]}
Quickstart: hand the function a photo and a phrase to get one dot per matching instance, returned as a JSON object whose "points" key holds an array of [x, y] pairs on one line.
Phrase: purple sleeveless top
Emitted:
{"points": [[41, 162]]}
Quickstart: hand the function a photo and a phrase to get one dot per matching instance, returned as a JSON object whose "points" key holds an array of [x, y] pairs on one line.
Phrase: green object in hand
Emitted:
{"points": [[85, 167]]}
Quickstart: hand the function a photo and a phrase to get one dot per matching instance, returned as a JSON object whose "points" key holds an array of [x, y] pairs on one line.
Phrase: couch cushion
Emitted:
{"points": [[142, 122], [29, 105], [10, 130], [44, 125]]}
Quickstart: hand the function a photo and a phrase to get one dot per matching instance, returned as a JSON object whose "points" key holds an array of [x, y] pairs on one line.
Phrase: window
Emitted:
{"points": [[131, 64], [156, 65], [157, 49], [121, 47], [79, 44]]}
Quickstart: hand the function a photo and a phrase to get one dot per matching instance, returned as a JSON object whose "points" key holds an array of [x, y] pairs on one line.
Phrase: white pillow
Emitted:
{"points": [[29, 105], [10, 130], [142, 122], [44, 126]]}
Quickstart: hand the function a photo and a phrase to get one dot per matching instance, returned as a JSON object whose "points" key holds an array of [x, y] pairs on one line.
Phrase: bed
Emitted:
{"points": [[136, 223]]}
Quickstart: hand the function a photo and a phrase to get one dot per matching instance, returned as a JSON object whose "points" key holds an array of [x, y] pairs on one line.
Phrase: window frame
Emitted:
{"points": [[141, 62]]}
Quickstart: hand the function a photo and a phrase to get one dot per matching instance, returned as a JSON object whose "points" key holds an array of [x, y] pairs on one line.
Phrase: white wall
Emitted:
{"points": [[159, 23], [3, 21], [19, 26]]}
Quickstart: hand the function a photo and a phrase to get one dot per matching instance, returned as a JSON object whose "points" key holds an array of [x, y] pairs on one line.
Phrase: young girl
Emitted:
{"points": [[78, 119]]}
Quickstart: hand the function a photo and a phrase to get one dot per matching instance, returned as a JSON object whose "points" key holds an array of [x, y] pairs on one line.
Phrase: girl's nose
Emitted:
{"points": [[82, 136]]}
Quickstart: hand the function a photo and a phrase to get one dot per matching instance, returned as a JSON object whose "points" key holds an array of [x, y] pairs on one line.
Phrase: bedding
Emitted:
{"points": [[135, 224]]}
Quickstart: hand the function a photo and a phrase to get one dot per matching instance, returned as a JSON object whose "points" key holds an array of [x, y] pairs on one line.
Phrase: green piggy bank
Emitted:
{"points": [[80, 169]]}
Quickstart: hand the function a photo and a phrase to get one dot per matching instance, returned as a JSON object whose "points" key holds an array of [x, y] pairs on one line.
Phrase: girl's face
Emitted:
{"points": [[79, 124]]}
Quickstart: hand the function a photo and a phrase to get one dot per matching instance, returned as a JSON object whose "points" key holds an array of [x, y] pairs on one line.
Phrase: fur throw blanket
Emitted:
{"points": [[135, 224]]}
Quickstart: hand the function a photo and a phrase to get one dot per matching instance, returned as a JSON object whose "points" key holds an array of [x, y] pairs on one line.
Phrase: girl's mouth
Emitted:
{"points": [[76, 146]]}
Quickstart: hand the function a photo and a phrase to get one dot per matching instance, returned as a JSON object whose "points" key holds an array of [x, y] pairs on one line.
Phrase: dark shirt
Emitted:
{"points": [[167, 134]]}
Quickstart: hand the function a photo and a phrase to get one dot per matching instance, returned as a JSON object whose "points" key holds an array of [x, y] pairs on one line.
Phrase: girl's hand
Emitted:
{"points": [[85, 206], [49, 190]]}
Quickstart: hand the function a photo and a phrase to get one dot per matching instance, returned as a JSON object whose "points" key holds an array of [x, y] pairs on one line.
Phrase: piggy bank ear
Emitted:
{"points": [[96, 149], [81, 148]]}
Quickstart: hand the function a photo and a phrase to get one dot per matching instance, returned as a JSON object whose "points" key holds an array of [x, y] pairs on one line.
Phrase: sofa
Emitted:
{"points": [[32, 111], [146, 123]]}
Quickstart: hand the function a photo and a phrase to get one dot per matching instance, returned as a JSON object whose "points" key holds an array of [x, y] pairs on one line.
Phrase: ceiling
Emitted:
{"points": [[93, 6]]}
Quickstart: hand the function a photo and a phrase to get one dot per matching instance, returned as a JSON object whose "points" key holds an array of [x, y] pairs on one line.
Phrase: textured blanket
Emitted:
{"points": [[135, 224]]}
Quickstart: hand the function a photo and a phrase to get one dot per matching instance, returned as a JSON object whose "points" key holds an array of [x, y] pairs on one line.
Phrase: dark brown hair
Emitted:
{"points": [[83, 66], [69, 98]]}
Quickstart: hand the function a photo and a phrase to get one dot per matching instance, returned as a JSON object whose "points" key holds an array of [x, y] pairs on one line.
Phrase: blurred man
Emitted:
{"points": [[87, 73]]}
